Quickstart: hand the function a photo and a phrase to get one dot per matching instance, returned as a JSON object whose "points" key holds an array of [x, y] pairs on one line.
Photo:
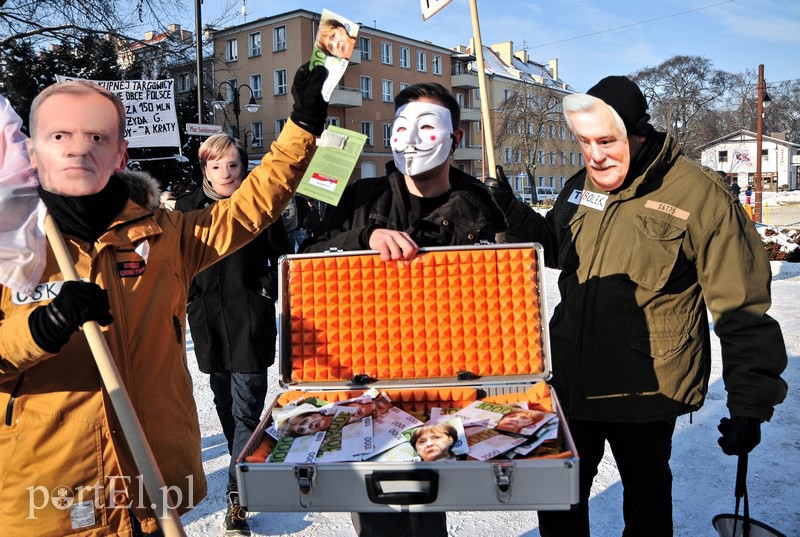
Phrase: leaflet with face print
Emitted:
{"points": [[511, 418], [297, 449], [345, 439], [441, 440], [331, 166], [390, 426], [485, 444], [333, 47], [399, 453]]}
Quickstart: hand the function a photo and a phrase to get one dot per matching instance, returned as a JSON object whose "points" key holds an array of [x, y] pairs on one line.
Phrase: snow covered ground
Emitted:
{"points": [[703, 475]]}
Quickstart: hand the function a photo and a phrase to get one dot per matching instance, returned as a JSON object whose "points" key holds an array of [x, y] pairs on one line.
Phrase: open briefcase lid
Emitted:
{"points": [[452, 316]]}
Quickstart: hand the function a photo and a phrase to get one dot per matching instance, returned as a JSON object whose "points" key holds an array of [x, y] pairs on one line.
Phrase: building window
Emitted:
{"points": [[333, 121], [404, 85], [365, 44], [580, 160], [387, 135], [552, 133], [552, 181], [572, 158], [541, 156], [255, 83], [280, 82], [460, 100], [386, 53], [436, 64], [366, 87], [366, 130], [563, 158], [541, 180], [507, 155], [279, 125], [722, 157], [387, 91], [258, 133], [764, 155], [232, 83], [231, 50], [278, 38], [184, 82], [552, 159], [422, 60], [517, 156], [254, 44], [405, 57], [561, 133]]}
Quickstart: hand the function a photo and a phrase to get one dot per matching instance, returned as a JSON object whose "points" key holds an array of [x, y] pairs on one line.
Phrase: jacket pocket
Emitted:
{"points": [[659, 346], [51, 464], [654, 250]]}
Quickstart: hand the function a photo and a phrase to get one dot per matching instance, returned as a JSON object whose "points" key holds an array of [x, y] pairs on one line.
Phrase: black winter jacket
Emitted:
{"points": [[467, 217], [231, 306]]}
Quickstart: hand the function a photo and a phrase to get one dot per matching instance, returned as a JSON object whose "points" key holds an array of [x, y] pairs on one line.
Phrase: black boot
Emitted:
{"points": [[236, 517]]}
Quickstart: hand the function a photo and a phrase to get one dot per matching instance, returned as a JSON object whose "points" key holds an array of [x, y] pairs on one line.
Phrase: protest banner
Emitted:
{"points": [[150, 115]]}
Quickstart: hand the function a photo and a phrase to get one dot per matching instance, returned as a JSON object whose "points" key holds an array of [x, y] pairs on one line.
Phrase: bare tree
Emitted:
{"points": [[683, 92], [526, 118]]}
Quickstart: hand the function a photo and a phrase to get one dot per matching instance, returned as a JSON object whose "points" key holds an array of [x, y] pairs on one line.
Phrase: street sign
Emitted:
{"points": [[431, 7], [199, 129]]}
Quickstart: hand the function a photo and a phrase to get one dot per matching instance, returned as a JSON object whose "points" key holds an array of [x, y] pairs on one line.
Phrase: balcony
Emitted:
{"points": [[470, 152], [355, 58], [345, 97], [470, 113], [465, 80]]}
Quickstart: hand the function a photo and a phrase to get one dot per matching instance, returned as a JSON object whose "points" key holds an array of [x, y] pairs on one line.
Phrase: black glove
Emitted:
{"points": [[500, 190], [310, 110], [77, 302], [739, 434]]}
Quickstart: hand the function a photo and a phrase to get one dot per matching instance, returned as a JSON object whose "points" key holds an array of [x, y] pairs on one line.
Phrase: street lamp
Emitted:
{"points": [[763, 102], [251, 106]]}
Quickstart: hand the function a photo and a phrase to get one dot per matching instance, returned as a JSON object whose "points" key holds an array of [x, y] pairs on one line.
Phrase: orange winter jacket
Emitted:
{"points": [[64, 465]]}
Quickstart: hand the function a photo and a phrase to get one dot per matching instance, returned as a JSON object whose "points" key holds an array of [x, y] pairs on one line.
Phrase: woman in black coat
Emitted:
{"points": [[231, 312]]}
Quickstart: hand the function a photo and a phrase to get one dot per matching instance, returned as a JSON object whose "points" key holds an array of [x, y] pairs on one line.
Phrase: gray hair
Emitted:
{"points": [[580, 103]]}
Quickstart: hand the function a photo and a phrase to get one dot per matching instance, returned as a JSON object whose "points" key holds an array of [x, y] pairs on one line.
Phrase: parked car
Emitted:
{"points": [[546, 193]]}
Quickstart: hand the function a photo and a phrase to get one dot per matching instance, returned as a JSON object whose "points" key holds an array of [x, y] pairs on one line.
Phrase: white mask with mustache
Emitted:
{"points": [[421, 137]]}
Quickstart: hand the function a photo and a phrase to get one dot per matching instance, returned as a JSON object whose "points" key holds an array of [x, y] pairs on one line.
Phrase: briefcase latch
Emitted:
{"points": [[503, 476], [305, 476]]}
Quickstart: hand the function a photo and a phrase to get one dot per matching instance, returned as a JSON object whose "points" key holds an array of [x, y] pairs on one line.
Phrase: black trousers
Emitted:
{"points": [[641, 452], [400, 524], [239, 400]]}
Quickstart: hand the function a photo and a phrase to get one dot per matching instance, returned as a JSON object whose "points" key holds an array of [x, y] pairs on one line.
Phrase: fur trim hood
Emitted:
{"points": [[145, 189]]}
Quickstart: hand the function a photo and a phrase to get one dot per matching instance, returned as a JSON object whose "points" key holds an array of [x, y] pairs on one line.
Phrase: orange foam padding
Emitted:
{"points": [[538, 397], [410, 400], [473, 310]]}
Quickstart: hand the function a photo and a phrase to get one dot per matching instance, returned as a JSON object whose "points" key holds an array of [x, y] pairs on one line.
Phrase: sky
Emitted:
{"points": [[590, 39], [703, 476]]}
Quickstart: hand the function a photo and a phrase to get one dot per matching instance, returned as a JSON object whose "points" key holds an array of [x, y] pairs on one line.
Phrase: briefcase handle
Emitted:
{"points": [[425, 485]]}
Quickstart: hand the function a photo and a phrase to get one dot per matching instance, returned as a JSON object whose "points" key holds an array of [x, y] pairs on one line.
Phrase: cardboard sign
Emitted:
{"points": [[431, 7], [150, 115]]}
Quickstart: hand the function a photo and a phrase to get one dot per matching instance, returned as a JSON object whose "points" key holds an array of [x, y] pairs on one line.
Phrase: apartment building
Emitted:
{"points": [[259, 58], [531, 138]]}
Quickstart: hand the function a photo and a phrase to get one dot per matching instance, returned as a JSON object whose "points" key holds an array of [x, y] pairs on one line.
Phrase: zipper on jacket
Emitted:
{"points": [[11, 398], [178, 330]]}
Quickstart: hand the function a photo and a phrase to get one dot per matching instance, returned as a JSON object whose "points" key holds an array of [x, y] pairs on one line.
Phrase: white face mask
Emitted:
{"points": [[421, 137]]}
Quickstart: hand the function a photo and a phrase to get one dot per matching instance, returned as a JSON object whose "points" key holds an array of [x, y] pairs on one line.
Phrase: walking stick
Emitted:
{"points": [[131, 428]]}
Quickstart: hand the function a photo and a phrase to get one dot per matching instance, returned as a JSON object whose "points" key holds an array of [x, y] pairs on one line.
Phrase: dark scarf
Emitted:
{"points": [[209, 191], [647, 154], [87, 217]]}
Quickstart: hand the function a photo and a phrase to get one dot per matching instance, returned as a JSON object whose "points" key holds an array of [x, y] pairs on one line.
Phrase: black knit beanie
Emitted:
{"points": [[624, 96]]}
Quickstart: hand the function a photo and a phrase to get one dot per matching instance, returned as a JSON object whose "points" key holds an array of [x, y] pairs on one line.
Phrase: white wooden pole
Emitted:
{"points": [[488, 142]]}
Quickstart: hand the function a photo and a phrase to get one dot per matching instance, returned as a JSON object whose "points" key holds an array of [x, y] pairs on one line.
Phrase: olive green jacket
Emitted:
{"points": [[630, 339]]}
